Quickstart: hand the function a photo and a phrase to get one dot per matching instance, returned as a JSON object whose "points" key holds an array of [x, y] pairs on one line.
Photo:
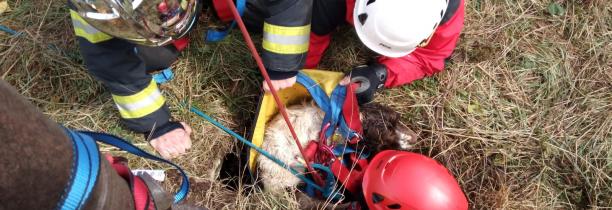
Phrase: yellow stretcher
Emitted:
{"points": [[267, 109]]}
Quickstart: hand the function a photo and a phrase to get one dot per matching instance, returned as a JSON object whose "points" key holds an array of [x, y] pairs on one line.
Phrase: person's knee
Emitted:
{"points": [[157, 58]]}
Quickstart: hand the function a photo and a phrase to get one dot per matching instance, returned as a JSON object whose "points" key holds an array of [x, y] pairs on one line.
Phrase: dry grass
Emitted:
{"points": [[522, 116]]}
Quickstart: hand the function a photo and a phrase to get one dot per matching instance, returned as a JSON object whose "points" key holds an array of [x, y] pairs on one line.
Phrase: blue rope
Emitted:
{"points": [[9, 31], [258, 149]]}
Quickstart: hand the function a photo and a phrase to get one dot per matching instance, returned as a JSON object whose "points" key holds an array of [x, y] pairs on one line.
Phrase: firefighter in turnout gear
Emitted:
{"points": [[122, 40], [119, 52]]}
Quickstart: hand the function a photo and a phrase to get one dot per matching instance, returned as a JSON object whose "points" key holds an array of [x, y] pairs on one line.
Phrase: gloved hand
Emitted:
{"points": [[371, 78]]}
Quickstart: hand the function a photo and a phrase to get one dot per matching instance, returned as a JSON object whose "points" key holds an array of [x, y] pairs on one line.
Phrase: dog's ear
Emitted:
{"points": [[384, 130]]}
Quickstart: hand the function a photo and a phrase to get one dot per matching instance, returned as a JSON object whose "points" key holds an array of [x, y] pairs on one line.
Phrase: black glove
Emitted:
{"points": [[371, 78]]}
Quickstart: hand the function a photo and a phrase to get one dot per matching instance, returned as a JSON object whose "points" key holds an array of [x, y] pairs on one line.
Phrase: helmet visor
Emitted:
{"points": [[144, 22]]}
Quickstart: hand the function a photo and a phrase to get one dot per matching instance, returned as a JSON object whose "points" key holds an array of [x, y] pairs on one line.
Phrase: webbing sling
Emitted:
{"points": [[331, 107]]}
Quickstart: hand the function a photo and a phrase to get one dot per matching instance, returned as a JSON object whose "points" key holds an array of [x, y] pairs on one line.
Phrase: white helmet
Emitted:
{"points": [[395, 28]]}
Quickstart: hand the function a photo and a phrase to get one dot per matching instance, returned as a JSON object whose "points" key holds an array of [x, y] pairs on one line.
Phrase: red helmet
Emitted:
{"points": [[405, 180]]}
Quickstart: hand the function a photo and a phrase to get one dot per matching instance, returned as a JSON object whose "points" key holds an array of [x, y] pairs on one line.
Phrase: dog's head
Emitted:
{"points": [[383, 130]]}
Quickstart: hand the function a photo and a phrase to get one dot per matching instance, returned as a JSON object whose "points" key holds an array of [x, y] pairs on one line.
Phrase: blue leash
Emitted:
{"points": [[87, 165], [85, 169], [128, 147]]}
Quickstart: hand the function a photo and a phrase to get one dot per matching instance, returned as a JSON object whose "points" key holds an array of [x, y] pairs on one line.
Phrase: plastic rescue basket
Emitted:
{"points": [[267, 108]]}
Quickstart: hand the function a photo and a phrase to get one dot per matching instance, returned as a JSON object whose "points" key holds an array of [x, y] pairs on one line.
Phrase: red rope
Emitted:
{"points": [[281, 106]]}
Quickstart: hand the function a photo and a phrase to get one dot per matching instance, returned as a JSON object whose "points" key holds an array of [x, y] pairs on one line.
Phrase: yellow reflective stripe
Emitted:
{"points": [[140, 104], [143, 111], [287, 31], [152, 87], [285, 48], [83, 29], [286, 39], [93, 38]]}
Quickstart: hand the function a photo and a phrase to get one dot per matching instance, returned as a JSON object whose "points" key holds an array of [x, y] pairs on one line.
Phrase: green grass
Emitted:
{"points": [[522, 116]]}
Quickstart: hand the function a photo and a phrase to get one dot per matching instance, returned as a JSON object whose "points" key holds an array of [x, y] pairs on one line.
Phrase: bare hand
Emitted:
{"points": [[173, 143], [280, 84], [346, 80]]}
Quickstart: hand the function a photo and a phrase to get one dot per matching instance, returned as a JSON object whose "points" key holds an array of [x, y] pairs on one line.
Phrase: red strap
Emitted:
{"points": [[311, 151], [350, 112], [181, 43], [224, 13], [142, 198], [140, 191], [350, 177]]}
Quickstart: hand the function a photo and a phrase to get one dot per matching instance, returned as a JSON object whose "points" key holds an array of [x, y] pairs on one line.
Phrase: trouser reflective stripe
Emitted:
{"points": [[140, 104]]}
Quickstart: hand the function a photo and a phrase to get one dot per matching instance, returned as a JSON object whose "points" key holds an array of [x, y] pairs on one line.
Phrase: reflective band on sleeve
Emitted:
{"points": [[286, 40], [83, 29], [140, 104]]}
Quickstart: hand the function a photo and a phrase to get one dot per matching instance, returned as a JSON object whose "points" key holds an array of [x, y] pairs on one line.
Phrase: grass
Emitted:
{"points": [[522, 115]]}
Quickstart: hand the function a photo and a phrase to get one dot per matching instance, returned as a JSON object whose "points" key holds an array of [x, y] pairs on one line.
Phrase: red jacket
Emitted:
{"points": [[422, 62]]}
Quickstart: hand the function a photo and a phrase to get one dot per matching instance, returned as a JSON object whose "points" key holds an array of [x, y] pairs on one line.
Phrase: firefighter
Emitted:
{"points": [[120, 44], [413, 39], [121, 41]]}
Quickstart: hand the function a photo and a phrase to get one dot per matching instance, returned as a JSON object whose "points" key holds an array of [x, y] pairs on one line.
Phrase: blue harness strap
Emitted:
{"points": [[128, 147], [331, 107], [214, 35], [316, 92], [85, 170], [334, 116]]}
